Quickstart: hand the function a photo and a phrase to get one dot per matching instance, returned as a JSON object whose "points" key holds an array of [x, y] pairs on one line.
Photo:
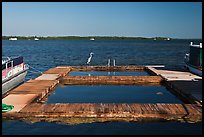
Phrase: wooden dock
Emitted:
{"points": [[108, 112], [169, 75], [27, 98], [184, 84]]}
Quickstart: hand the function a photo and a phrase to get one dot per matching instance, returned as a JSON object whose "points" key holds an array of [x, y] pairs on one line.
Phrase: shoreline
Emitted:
{"points": [[89, 37]]}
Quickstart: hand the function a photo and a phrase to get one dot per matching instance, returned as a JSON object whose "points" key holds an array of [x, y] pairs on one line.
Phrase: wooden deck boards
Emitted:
{"points": [[189, 113], [60, 71], [111, 80], [107, 68]]}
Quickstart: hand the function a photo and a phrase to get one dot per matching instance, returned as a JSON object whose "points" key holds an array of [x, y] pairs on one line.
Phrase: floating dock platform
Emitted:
{"points": [[27, 98]]}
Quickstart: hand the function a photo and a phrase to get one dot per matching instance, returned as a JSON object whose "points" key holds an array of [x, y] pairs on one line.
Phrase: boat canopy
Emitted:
{"points": [[16, 61]]}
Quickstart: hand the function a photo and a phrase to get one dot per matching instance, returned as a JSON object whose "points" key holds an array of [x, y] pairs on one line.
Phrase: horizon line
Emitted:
{"points": [[94, 36]]}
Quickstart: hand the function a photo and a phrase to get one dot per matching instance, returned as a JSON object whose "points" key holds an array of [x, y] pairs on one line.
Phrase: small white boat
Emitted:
{"points": [[193, 59], [13, 73], [92, 39], [13, 39], [168, 38], [36, 39]]}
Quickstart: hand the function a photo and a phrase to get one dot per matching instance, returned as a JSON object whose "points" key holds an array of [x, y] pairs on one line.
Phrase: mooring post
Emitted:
{"points": [[114, 62]]}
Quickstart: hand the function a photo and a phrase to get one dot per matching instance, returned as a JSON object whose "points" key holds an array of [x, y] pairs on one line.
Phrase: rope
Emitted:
{"points": [[6, 108], [35, 69], [33, 72]]}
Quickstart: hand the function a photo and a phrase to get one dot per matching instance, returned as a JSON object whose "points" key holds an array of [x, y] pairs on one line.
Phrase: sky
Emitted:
{"points": [[131, 19]]}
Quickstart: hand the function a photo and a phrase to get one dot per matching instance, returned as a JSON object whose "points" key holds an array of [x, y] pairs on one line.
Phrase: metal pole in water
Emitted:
{"points": [[114, 62], [114, 66]]}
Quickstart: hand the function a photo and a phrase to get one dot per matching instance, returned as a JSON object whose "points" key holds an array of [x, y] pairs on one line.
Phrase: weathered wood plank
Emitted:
{"points": [[113, 80], [114, 111], [107, 68]]}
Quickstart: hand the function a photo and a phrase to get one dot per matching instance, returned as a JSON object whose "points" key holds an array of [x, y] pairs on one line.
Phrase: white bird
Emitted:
{"points": [[90, 57], [108, 62]]}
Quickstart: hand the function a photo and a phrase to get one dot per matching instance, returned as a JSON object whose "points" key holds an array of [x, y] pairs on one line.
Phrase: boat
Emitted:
{"points": [[92, 39], [14, 71], [36, 39], [12, 38], [193, 59]]}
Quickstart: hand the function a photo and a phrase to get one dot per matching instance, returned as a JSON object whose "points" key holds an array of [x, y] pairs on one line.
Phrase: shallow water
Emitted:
{"points": [[112, 94]]}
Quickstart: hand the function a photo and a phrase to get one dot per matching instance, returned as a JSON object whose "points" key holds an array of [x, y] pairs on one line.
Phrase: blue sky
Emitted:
{"points": [[137, 19]]}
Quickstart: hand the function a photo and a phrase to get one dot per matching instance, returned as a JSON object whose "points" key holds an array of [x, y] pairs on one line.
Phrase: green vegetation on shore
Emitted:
{"points": [[84, 38], [79, 37]]}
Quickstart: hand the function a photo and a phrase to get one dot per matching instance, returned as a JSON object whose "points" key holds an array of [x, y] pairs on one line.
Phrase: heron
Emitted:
{"points": [[90, 57], [108, 62]]}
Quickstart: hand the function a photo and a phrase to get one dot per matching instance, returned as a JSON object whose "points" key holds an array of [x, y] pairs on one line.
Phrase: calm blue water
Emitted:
{"points": [[112, 94], [45, 54], [104, 73]]}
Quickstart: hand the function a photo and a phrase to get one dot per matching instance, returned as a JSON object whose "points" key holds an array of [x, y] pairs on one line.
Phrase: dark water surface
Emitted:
{"points": [[44, 54], [107, 128], [112, 94]]}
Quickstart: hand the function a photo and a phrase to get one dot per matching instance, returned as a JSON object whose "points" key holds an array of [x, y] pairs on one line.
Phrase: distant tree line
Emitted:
{"points": [[80, 37]]}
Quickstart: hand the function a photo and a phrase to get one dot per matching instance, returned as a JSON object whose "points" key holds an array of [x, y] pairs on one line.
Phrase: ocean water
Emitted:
{"points": [[44, 54]]}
